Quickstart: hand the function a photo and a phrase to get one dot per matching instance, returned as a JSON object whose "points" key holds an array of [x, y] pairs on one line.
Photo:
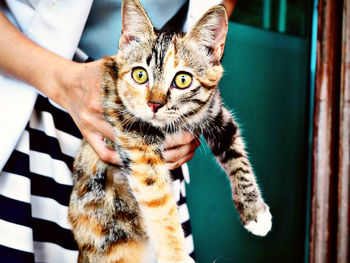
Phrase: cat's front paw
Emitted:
{"points": [[262, 225]]}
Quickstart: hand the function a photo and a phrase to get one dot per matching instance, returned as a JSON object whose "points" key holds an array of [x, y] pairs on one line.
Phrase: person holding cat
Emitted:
{"points": [[36, 156]]}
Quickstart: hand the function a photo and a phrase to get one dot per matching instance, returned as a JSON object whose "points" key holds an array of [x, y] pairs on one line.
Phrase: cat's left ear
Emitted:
{"points": [[209, 34], [136, 25]]}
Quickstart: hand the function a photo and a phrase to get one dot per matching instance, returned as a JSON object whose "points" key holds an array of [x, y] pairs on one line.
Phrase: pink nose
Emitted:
{"points": [[155, 105]]}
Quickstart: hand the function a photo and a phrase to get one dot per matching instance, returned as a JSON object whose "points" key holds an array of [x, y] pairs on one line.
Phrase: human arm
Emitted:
{"points": [[74, 86], [69, 84], [229, 5]]}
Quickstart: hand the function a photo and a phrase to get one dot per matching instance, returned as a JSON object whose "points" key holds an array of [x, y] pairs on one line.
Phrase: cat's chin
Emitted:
{"points": [[157, 123]]}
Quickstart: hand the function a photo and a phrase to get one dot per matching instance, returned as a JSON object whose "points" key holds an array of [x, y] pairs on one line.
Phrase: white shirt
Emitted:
{"points": [[55, 25]]}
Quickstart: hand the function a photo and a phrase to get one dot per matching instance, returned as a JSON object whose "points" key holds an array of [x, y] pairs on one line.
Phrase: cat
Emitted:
{"points": [[159, 83]]}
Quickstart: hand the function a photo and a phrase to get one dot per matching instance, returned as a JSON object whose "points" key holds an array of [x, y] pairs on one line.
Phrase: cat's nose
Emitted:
{"points": [[155, 105]]}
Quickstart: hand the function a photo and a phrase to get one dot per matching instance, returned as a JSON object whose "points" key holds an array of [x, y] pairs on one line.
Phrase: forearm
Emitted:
{"points": [[21, 58], [229, 5]]}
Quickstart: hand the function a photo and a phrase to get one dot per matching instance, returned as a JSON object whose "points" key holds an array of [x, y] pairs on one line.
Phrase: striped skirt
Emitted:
{"points": [[35, 187]]}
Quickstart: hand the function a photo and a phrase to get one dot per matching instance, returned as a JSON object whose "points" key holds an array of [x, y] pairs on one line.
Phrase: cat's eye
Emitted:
{"points": [[182, 80], [139, 75]]}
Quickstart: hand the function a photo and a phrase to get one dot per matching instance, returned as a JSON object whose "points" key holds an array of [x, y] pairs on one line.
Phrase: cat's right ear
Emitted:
{"points": [[209, 34], [136, 25]]}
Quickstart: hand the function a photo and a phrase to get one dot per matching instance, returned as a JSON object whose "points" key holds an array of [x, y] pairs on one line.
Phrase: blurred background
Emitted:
{"points": [[269, 82]]}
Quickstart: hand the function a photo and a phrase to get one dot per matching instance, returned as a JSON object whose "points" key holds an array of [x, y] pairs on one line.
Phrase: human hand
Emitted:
{"points": [[179, 149], [81, 97]]}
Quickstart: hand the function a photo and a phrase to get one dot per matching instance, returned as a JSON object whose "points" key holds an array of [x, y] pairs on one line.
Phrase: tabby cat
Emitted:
{"points": [[159, 83]]}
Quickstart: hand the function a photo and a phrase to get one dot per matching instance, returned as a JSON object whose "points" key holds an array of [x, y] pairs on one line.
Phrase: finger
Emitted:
{"points": [[104, 128], [96, 124], [95, 106], [175, 154], [178, 163], [178, 139], [105, 154]]}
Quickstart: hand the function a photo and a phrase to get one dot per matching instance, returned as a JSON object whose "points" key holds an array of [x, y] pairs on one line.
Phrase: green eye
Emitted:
{"points": [[139, 75], [182, 80]]}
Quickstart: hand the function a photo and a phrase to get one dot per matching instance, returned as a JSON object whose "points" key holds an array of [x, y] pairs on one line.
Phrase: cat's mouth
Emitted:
{"points": [[156, 119]]}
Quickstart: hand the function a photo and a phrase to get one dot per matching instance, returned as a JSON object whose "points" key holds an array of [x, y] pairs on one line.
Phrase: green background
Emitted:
{"points": [[266, 86]]}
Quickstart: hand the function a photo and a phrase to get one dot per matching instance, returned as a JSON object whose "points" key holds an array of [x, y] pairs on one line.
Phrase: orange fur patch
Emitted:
{"points": [[151, 160], [157, 202], [170, 53], [171, 228], [130, 252], [91, 224]]}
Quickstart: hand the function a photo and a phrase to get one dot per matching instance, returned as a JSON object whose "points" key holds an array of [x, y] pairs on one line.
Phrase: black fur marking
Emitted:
{"points": [[212, 101], [229, 130], [116, 236], [249, 218], [240, 207], [242, 179], [200, 102], [125, 161], [160, 48], [148, 60], [87, 247], [175, 108], [221, 137], [114, 232], [112, 69], [150, 181], [245, 163], [244, 186], [159, 153], [192, 112], [171, 129], [195, 90], [207, 87], [230, 154], [250, 197], [189, 96], [149, 133], [236, 171], [124, 212], [96, 183]]}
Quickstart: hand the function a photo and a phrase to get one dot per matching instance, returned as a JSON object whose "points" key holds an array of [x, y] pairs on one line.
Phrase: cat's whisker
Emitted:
{"points": [[187, 126], [201, 147]]}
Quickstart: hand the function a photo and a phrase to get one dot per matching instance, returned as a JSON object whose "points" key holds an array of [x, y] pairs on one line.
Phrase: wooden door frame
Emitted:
{"points": [[329, 228]]}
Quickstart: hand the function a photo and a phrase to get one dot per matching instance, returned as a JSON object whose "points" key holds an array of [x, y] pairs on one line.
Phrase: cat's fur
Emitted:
{"points": [[117, 211]]}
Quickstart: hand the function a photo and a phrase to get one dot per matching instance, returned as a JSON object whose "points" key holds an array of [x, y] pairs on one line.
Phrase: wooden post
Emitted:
{"points": [[329, 229], [342, 254]]}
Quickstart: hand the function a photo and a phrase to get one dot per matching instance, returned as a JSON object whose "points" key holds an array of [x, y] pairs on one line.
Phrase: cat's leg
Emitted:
{"points": [[129, 252], [228, 147], [150, 179], [104, 214]]}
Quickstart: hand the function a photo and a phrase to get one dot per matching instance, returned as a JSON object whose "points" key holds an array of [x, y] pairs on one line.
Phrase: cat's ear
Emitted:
{"points": [[136, 25], [209, 34]]}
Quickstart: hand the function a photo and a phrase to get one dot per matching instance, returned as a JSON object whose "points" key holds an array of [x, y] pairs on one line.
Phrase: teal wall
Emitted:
{"points": [[266, 86]]}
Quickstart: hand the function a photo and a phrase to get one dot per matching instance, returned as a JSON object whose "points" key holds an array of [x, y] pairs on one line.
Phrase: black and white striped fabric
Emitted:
{"points": [[35, 186]]}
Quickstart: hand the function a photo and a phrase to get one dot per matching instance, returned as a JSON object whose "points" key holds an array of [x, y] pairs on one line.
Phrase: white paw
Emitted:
{"points": [[263, 224]]}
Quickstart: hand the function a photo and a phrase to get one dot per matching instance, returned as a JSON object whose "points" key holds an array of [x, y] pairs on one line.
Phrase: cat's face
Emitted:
{"points": [[166, 78]]}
